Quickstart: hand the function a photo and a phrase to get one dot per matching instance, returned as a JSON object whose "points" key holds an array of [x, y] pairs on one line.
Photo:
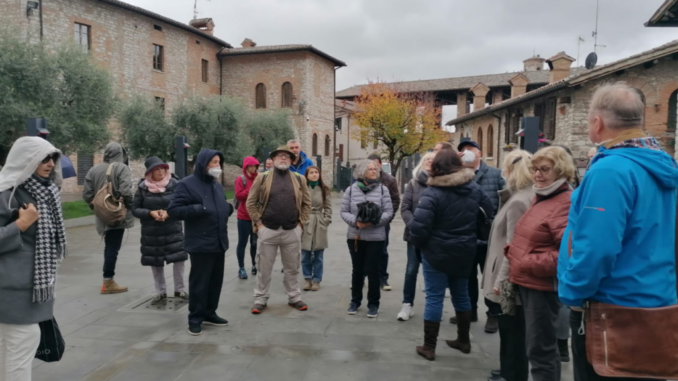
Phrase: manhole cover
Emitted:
{"points": [[146, 304]]}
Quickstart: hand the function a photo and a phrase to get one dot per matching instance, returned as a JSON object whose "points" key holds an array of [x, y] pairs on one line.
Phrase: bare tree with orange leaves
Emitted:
{"points": [[404, 123]]}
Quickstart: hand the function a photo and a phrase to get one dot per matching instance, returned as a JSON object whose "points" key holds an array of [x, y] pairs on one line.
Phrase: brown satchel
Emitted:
{"points": [[108, 208], [632, 342]]}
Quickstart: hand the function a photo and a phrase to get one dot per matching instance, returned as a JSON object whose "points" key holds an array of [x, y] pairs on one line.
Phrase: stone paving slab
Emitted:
{"points": [[108, 341]]}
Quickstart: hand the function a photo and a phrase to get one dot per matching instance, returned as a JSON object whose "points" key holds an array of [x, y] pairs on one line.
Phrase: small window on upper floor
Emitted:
{"points": [[287, 95], [82, 36], [205, 70], [260, 96], [314, 147], [328, 141], [158, 57], [157, 27]]}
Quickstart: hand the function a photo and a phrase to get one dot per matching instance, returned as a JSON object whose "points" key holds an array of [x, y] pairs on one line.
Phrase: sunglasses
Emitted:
{"points": [[54, 157]]}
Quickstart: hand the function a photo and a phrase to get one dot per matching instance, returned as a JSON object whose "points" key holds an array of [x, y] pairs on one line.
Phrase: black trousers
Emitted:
{"points": [[366, 263], [512, 346], [113, 242], [583, 371], [494, 309], [541, 326], [204, 285]]}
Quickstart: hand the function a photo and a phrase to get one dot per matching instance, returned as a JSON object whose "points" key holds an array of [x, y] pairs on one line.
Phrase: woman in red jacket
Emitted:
{"points": [[533, 258], [243, 184]]}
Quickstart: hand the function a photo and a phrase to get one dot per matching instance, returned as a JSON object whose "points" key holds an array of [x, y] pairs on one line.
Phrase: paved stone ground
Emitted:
{"points": [[108, 341]]}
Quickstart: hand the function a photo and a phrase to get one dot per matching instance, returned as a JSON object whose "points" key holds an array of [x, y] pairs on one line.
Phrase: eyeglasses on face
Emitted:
{"points": [[282, 156], [544, 170], [54, 157]]}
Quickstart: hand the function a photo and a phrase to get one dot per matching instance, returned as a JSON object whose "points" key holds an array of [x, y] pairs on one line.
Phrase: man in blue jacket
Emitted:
{"points": [[618, 247], [301, 162], [200, 202]]}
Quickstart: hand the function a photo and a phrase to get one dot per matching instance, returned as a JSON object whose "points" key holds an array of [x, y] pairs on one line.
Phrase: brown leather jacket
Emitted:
{"points": [[533, 252]]}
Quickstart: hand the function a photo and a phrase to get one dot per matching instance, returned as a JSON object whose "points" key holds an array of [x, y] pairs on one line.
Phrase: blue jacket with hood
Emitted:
{"points": [[304, 162], [618, 247], [199, 200]]}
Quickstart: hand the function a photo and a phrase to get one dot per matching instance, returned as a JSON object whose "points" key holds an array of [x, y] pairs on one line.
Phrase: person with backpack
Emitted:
{"points": [[32, 245], [314, 238], [200, 202], [115, 177], [243, 184], [162, 236]]}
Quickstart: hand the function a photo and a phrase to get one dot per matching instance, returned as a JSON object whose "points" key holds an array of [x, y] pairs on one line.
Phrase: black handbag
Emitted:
{"points": [[52, 344]]}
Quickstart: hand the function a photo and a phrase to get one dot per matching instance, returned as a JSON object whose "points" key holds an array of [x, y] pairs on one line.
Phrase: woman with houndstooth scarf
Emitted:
{"points": [[32, 245]]}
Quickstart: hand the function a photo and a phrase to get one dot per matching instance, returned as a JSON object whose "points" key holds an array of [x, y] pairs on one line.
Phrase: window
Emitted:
{"points": [[314, 148], [260, 95], [337, 124], [327, 145], [205, 70], [160, 102], [157, 27], [287, 95], [82, 36], [549, 122], [490, 141], [341, 152], [479, 139], [85, 163], [512, 121], [673, 109], [158, 57]]}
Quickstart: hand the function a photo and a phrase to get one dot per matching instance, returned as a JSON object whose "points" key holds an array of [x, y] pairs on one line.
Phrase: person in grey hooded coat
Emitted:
{"points": [[32, 245], [121, 179]]}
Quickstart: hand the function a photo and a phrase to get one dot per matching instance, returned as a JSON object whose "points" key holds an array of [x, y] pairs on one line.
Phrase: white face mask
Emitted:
{"points": [[215, 172], [468, 157]]}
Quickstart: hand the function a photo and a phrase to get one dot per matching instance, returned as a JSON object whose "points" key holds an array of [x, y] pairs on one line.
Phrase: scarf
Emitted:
{"points": [[157, 186], [313, 184], [367, 185], [50, 243], [549, 189]]}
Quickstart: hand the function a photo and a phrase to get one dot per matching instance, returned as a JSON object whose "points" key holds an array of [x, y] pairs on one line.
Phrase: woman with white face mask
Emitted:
{"points": [[200, 202]]}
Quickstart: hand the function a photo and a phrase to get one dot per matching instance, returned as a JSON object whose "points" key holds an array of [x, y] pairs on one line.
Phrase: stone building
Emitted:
{"points": [[563, 104], [150, 54], [349, 149]]}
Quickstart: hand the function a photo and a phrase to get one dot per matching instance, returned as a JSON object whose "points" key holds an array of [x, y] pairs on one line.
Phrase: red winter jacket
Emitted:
{"points": [[242, 191], [533, 252]]}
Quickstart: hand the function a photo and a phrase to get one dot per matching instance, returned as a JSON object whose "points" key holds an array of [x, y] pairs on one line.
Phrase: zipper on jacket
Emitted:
{"points": [[605, 339]]}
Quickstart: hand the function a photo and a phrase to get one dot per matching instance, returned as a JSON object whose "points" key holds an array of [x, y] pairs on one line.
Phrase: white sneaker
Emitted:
{"points": [[406, 313]]}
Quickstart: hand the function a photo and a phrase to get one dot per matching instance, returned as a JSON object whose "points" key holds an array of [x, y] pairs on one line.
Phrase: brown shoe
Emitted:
{"points": [[463, 342], [307, 285], [316, 286], [428, 350], [110, 287]]}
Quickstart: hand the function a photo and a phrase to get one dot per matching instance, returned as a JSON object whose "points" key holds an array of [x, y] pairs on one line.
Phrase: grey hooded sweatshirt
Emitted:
{"points": [[121, 178]]}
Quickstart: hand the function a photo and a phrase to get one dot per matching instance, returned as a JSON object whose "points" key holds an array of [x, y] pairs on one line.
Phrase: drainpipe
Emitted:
{"points": [[221, 76], [498, 139], [334, 127]]}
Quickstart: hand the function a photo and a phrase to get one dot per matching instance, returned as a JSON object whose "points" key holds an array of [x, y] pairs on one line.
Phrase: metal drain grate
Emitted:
{"points": [[145, 304]]}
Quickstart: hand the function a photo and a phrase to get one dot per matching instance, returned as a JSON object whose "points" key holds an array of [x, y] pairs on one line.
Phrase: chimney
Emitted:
{"points": [[518, 85], [204, 25], [479, 95], [247, 43], [560, 65], [535, 63]]}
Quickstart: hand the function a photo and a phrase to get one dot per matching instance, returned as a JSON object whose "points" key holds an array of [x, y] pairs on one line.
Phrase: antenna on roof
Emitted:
{"points": [[195, 9], [579, 41], [595, 32]]}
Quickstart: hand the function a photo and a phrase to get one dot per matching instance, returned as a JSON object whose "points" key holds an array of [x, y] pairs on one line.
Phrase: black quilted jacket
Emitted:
{"points": [[161, 242], [489, 178], [445, 222]]}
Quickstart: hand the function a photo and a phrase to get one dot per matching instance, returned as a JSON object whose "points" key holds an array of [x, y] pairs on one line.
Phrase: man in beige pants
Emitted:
{"points": [[279, 204]]}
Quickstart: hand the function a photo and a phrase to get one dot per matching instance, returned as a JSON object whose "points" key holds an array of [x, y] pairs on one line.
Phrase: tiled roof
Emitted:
{"points": [[458, 83], [153, 15], [577, 79], [279, 49], [665, 15]]}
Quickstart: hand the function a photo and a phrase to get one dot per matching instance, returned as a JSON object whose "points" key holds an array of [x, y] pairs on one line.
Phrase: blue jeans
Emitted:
{"points": [[436, 283], [411, 272], [312, 264], [245, 234]]}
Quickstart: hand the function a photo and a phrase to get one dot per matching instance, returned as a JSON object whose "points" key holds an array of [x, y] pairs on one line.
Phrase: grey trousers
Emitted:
{"points": [[541, 321], [289, 243], [159, 277], [564, 323]]}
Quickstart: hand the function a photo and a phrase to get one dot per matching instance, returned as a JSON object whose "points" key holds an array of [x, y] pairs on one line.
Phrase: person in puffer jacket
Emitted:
{"points": [[533, 258], [162, 237], [366, 241], [243, 184], [444, 229]]}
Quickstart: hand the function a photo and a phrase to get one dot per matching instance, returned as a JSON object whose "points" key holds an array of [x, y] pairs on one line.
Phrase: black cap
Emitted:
{"points": [[154, 162], [468, 143]]}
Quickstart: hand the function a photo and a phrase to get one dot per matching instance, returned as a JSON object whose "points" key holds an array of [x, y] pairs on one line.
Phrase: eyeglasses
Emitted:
{"points": [[282, 156], [543, 170], [54, 157]]}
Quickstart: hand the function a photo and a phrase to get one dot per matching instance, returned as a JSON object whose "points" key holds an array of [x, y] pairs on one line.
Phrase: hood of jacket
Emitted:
{"points": [[204, 158], [456, 179], [114, 153], [249, 160], [302, 159], [657, 163], [24, 158]]}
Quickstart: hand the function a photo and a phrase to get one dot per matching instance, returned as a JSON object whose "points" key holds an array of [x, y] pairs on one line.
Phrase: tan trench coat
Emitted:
{"points": [[314, 236]]}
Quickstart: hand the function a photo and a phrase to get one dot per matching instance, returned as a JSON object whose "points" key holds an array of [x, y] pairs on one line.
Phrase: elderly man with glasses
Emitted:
{"points": [[279, 204]]}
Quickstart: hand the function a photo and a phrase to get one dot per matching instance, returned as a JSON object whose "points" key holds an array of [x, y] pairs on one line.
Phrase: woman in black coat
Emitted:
{"points": [[444, 229], [162, 237]]}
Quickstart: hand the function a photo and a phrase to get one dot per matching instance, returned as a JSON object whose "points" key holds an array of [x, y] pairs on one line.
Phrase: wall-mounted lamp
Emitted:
{"points": [[31, 6]]}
